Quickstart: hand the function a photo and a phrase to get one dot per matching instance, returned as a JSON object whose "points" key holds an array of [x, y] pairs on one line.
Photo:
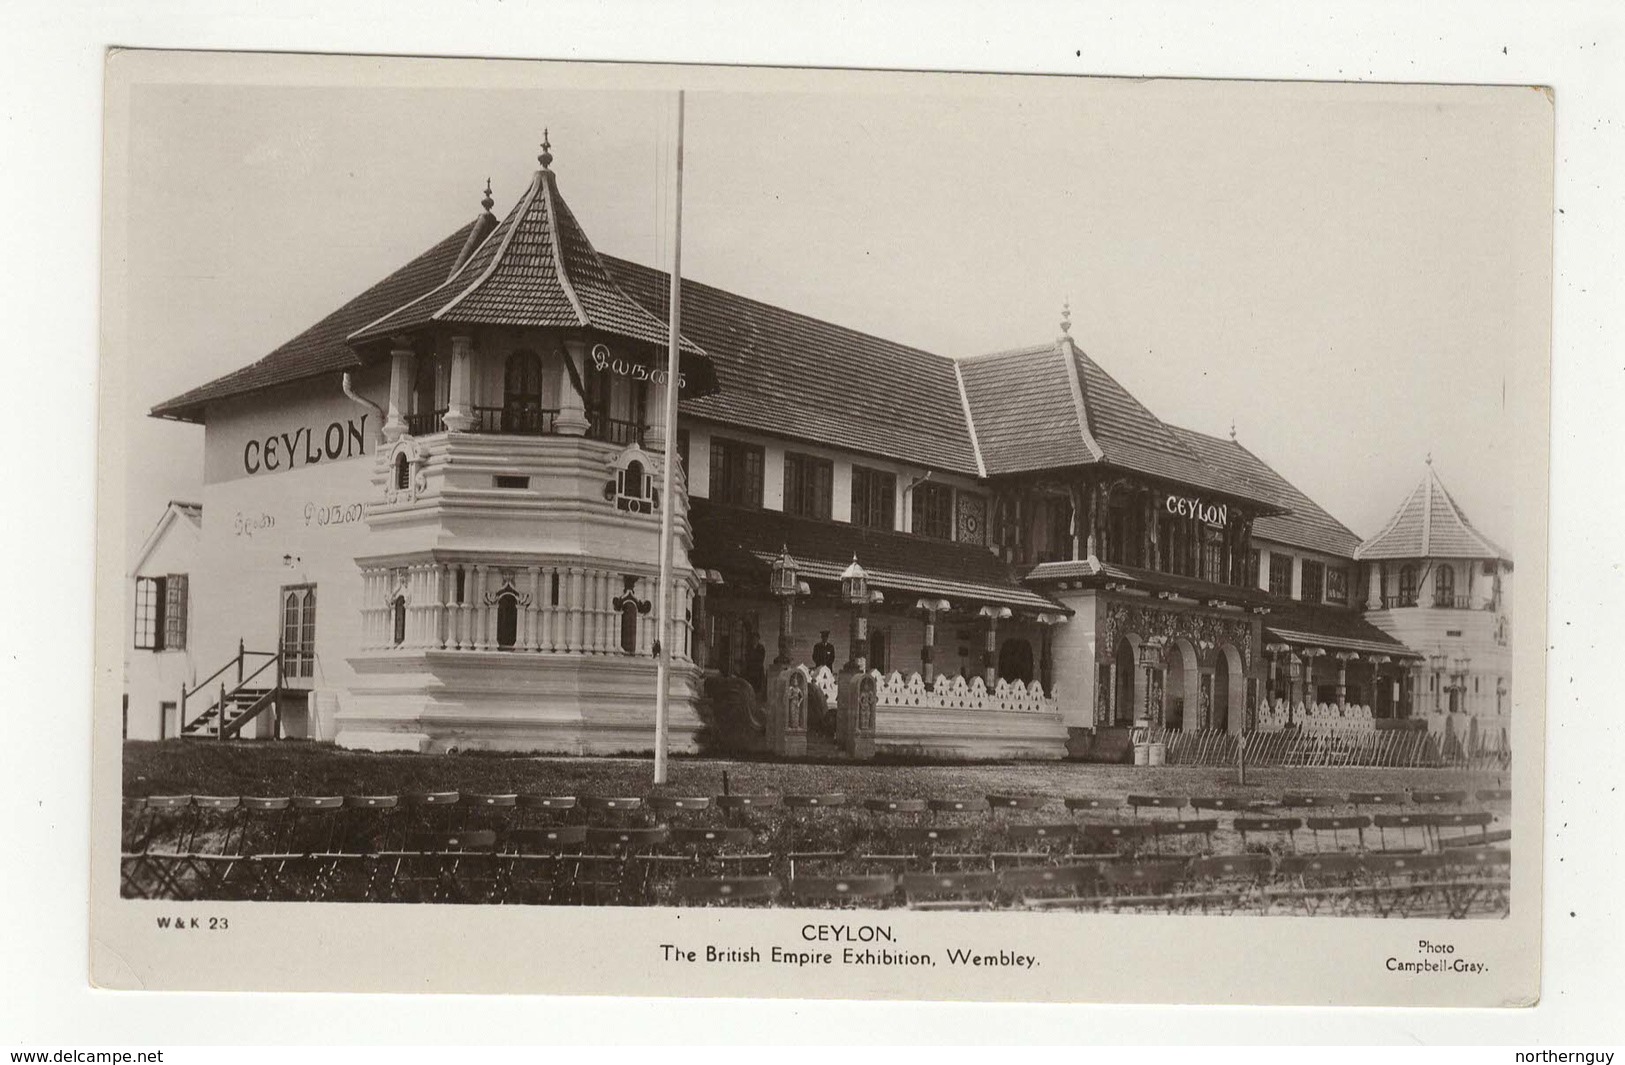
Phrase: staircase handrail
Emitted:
{"points": [[237, 660]]}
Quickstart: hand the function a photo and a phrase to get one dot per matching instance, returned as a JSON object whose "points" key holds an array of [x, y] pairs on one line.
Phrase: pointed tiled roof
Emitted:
{"points": [[324, 347], [1304, 525], [537, 268], [1051, 405], [1429, 524]]}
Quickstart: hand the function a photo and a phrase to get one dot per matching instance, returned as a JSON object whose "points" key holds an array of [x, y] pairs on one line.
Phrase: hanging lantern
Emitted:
{"points": [[785, 579], [854, 583]]}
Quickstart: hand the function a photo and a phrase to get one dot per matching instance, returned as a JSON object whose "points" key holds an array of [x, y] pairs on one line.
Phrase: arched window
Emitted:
{"points": [[522, 410], [397, 609], [403, 472], [507, 619], [1444, 586], [632, 481], [1407, 585]]}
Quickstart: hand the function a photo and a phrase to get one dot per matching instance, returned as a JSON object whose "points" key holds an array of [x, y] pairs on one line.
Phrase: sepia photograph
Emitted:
{"points": [[968, 516]]}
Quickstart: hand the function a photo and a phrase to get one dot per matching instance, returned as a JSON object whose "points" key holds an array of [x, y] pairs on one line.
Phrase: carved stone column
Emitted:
{"points": [[572, 419], [400, 392], [459, 416]]}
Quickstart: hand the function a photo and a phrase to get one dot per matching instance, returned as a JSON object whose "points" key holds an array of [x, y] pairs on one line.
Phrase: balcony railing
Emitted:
{"points": [[515, 421], [426, 423], [616, 431], [1452, 602], [528, 421], [1390, 602]]}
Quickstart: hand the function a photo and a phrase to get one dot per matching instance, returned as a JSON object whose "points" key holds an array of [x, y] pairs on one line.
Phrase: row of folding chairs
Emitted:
{"points": [[1456, 883], [225, 824]]}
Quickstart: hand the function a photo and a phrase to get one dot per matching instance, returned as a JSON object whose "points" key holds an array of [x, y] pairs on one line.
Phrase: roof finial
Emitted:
{"points": [[1430, 458], [487, 202], [1232, 428], [546, 158], [1066, 316]]}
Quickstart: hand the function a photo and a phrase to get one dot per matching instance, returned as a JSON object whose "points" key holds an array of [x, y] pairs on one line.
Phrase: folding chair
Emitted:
{"points": [[1042, 887], [1137, 803], [728, 852], [1043, 844], [1177, 831], [802, 839], [1007, 803], [549, 807], [265, 823], [1091, 803], [950, 891], [536, 866], [1397, 884], [1315, 881], [714, 890], [489, 811], [1402, 824], [1283, 827], [430, 811], [1228, 882], [443, 867], [1112, 839], [1300, 800], [837, 890], [665, 806], [1337, 826], [610, 872], [1358, 799], [611, 808], [216, 865], [1145, 883], [1474, 875], [368, 823], [1438, 798], [1493, 795], [955, 807], [1464, 821], [153, 873], [932, 846], [1228, 803], [910, 808]]}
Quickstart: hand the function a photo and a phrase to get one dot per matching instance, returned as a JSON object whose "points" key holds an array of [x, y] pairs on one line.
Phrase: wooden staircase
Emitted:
{"points": [[234, 707]]}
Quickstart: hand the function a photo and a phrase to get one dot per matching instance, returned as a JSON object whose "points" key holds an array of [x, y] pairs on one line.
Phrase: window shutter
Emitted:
{"points": [[175, 612]]}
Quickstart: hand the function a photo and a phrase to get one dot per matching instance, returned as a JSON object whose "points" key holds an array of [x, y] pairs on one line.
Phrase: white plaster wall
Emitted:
{"points": [[155, 677], [1074, 651]]}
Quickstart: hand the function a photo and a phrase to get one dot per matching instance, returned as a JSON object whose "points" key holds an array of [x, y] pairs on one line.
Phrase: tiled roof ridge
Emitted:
{"points": [[1068, 351], [550, 198], [1030, 349], [970, 421], [1174, 439], [516, 216], [450, 280], [1392, 524], [1462, 519], [822, 323], [598, 260]]}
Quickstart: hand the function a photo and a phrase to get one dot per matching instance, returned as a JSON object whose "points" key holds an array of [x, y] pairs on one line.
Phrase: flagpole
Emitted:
{"points": [[669, 469]]}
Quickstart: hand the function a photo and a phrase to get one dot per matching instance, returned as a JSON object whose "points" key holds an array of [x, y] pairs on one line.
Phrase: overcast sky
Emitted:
{"points": [[1340, 270]]}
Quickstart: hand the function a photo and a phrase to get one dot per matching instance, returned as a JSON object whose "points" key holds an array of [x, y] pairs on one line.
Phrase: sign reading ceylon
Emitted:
{"points": [[1217, 514], [284, 451]]}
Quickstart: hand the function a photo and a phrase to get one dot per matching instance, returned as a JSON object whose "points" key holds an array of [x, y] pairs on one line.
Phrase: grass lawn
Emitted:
{"points": [[179, 767]]}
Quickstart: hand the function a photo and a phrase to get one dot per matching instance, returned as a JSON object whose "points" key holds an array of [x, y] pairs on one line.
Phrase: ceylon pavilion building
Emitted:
{"points": [[430, 521]]}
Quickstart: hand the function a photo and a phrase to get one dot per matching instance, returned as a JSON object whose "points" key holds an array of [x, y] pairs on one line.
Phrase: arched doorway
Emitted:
{"points": [[1181, 687], [1123, 708], [1016, 661], [1229, 691]]}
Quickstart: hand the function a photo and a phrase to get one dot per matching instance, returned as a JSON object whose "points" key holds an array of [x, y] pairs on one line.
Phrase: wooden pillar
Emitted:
{"points": [[459, 416], [400, 392], [990, 670]]}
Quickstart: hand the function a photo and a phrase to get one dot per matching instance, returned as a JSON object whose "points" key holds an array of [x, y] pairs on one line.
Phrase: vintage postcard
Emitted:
{"points": [[1056, 539]]}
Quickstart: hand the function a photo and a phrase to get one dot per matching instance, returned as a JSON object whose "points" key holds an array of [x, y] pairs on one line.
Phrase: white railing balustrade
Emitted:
{"points": [[945, 693], [1319, 719], [554, 609]]}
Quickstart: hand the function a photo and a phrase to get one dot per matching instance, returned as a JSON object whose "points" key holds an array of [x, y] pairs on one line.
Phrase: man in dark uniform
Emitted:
{"points": [[823, 651]]}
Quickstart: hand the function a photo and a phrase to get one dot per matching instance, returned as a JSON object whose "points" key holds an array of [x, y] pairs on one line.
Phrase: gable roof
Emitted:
{"points": [[1305, 524], [1429, 524], [324, 347], [1051, 405], [537, 268], [791, 375], [175, 510]]}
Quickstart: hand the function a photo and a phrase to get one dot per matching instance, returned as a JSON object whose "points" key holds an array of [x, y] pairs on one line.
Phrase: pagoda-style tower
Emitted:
{"points": [[1445, 589], [513, 532]]}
